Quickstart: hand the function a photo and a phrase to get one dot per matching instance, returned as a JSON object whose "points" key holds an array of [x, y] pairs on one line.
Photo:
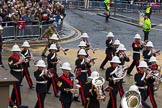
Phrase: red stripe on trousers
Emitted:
{"points": [[54, 86], [112, 99], [109, 56], [82, 93], [39, 100], [137, 64], [62, 104], [120, 91], [27, 77], [151, 97], [17, 95]]}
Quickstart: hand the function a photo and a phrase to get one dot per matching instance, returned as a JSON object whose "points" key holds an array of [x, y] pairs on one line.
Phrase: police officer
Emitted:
{"points": [[115, 85], [65, 85], [52, 61], [41, 77], [141, 79], [146, 27], [148, 10], [147, 53], [81, 74], [109, 49], [15, 64], [107, 9], [28, 56], [1, 43], [91, 92], [137, 46]]}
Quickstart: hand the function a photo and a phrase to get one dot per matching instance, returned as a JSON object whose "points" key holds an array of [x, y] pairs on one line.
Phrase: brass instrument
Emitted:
{"points": [[98, 83], [90, 61], [120, 72], [131, 99]]}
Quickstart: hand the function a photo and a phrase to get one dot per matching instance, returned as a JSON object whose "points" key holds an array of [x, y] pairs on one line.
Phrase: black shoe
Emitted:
{"points": [[32, 87], [21, 85], [129, 74], [102, 68], [56, 95], [43, 55], [76, 99], [48, 92]]}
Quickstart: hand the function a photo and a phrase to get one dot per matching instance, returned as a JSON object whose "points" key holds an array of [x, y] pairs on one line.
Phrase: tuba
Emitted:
{"points": [[131, 99], [98, 83], [119, 72]]}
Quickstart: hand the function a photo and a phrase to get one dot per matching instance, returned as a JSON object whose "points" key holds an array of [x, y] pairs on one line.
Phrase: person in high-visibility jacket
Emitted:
{"points": [[146, 27], [107, 4], [148, 10]]}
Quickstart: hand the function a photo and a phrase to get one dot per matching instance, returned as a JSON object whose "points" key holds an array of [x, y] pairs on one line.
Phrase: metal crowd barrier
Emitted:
{"points": [[29, 31]]}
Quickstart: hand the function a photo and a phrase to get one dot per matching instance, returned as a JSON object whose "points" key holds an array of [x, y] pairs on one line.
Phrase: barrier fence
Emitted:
{"points": [[15, 31]]}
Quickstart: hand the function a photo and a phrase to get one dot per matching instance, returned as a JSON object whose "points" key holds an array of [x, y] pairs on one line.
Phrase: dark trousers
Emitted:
{"points": [[0, 58], [107, 58], [93, 103], [27, 76], [40, 101], [66, 104], [146, 33], [135, 62], [16, 95], [53, 81], [151, 95]]}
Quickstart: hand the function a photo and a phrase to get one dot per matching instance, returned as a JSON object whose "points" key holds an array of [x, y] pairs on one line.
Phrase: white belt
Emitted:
{"points": [[144, 87], [136, 52], [83, 70], [17, 70], [41, 82]]}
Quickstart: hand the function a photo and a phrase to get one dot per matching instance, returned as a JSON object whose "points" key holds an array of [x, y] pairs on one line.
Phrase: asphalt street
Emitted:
{"points": [[97, 28]]}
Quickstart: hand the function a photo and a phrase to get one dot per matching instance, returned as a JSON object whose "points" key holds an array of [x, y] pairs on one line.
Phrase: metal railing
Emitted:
{"points": [[13, 31]]}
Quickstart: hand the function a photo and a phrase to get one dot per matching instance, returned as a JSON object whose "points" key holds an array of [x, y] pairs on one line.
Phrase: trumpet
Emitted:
{"points": [[157, 76]]}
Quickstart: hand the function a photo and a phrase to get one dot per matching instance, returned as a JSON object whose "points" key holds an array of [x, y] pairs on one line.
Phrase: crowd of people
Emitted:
{"points": [[30, 12]]}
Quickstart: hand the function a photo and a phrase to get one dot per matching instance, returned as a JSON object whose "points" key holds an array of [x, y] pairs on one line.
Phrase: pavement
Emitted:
{"points": [[70, 34]]}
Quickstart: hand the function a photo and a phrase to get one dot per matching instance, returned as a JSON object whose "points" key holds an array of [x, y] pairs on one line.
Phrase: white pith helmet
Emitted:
{"points": [[82, 52], [110, 34], [133, 88], [121, 47], [53, 46], [137, 36], [25, 44], [1, 28], [149, 44], [143, 64], [153, 59], [82, 43], [94, 74], [15, 48], [41, 63], [115, 59], [66, 66], [116, 42], [54, 37], [84, 35]]}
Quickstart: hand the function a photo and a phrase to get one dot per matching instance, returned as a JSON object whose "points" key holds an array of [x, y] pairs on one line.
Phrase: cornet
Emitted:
{"points": [[154, 75]]}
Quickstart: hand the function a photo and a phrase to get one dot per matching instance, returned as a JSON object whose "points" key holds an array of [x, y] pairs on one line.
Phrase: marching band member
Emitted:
{"points": [[116, 45], [65, 85], [136, 45], [147, 53], [15, 64], [152, 81], [82, 45], [85, 37], [109, 50], [81, 74], [26, 53], [52, 62], [122, 55], [116, 85], [141, 79], [91, 92], [41, 83]]}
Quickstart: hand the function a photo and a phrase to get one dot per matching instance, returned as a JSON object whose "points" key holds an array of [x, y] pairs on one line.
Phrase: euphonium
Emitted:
{"points": [[98, 83], [131, 99]]}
